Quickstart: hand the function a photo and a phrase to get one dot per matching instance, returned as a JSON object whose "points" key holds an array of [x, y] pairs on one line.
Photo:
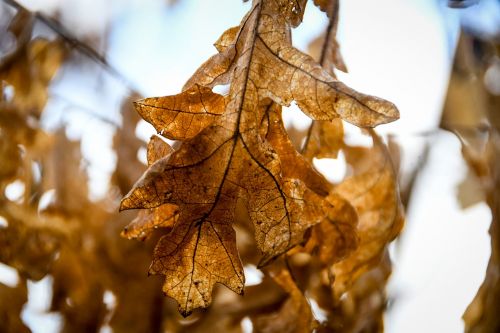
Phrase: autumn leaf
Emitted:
{"points": [[294, 315], [351, 243], [373, 192], [362, 308], [471, 113], [231, 192], [30, 73], [160, 217], [296, 165], [30, 243], [182, 116], [480, 313], [324, 139], [225, 155], [336, 236]]}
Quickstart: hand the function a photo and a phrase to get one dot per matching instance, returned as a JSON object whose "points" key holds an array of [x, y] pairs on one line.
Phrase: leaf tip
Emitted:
{"points": [[265, 260], [184, 312], [124, 233], [125, 204]]}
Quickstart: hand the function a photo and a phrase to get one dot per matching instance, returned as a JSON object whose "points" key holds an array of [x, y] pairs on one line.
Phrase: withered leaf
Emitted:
{"points": [[195, 256], [290, 74], [480, 315], [296, 165], [336, 236], [324, 139], [206, 201], [31, 72], [160, 217], [469, 105], [294, 315], [157, 148], [29, 243], [148, 220], [373, 192], [362, 308], [227, 38], [182, 116], [229, 153]]}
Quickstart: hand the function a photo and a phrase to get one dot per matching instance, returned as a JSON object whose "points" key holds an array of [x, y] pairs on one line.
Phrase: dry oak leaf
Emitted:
{"points": [[481, 313], [30, 242], [296, 165], [324, 139], [163, 216], [228, 158], [279, 71], [373, 192], [294, 315], [31, 72], [336, 236], [204, 178], [182, 116]]}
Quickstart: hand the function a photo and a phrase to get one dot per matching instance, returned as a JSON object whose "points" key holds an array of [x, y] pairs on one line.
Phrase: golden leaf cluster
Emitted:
{"points": [[236, 191], [234, 150]]}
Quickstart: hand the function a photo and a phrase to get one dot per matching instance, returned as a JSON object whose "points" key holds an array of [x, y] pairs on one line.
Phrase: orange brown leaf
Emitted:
{"points": [[235, 147]]}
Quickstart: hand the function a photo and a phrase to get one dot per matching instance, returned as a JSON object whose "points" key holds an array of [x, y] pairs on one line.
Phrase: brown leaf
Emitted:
{"points": [[196, 256], [275, 205], [361, 309], [374, 195], [293, 11], [163, 216], [182, 116], [324, 139], [150, 219], [294, 315], [216, 70], [296, 165], [480, 315], [335, 237], [227, 39], [240, 152], [157, 148], [292, 75], [471, 112], [31, 72]]}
